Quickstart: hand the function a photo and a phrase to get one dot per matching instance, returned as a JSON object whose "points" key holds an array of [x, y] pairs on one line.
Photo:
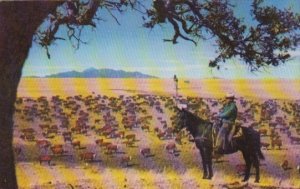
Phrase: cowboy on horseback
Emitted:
{"points": [[228, 116]]}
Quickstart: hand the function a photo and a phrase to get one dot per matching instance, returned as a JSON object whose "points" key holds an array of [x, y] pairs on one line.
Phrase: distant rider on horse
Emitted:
{"points": [[228, 115]]}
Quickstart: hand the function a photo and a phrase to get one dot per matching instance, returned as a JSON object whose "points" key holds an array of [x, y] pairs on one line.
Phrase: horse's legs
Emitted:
{"points": [[209, 164], [248, 166], [204, 162], [256, 165]]}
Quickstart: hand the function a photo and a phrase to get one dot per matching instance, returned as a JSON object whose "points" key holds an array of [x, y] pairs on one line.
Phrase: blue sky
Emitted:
{"points": [[131, 47]]}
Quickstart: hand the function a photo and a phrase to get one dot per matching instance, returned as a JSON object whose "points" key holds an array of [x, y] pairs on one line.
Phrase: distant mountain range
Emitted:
{"points": [[97, 73]]}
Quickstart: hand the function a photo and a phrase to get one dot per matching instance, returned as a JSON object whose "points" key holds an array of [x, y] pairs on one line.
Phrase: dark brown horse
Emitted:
{"points": [[202, 132]]}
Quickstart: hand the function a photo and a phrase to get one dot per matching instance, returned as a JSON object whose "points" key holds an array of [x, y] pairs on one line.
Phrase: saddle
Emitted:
{"points": [[228, 140]]}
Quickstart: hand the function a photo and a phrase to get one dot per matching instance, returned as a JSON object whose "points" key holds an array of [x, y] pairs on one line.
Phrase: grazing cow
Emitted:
{"points": [[285, 165], [57, 150], [171, 148], [145, 127], [99, 141], [87, 156], [128, 143], [145, 152], [128, 126], [120, 134], [76, 130], [156, 130], [169, 133], [76, 144], [264, 145], [108, 132], [161, 134], [104, 144], [125, 160], [28, 136], [44, 144], [130, 137], [52, 131], [276, 142], [45, 158], [111, 148], [263, 132], [44, 126]]}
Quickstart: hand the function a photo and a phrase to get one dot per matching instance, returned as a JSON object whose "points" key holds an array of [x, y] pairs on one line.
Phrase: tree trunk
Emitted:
{"points": [[18, 22]]}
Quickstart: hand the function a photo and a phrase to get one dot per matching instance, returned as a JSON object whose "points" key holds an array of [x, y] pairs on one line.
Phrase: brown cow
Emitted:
{"points": [[76, 144], [276, 142], [111, 148], [129, 143], [145, 127], [264, 145], [104, 144], [88, 156], [57, 150], [285, 165], [117, 134], [125, 160], [122, 134], [44, 126], [171, 148], [157, 130], [99, 141], [28, 136], [43, 144], [76, 129], [145, 152], [128, 126], [263, 132], [130, 137], [161, 134], [45, 158]]}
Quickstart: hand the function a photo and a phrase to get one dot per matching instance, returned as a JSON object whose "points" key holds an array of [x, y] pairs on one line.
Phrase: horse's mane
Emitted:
{"points": [[196, 118]]}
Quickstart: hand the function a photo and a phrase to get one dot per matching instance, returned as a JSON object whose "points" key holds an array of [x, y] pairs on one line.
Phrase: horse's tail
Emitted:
{"points": [[255, 136]]}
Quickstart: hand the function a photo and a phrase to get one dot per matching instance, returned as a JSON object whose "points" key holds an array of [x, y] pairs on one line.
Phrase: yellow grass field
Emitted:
{"points": [[162, 170], [214, 88]]}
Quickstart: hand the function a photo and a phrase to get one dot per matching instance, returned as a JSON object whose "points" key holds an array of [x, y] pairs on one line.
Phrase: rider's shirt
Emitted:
{"points": [[229, 112]]}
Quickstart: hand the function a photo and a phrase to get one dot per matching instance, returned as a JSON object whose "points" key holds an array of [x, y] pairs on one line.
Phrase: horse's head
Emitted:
{"points": [[181, 118]]}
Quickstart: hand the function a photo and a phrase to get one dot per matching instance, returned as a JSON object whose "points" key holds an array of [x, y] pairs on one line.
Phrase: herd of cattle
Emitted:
{"points": [[118, 123]]}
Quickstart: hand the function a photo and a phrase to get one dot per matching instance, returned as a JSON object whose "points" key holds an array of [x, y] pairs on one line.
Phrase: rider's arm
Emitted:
{"points": [[227, 111]]}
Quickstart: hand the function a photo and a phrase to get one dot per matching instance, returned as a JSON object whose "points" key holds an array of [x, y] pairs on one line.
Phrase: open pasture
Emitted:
{"points": [[94, 136]]}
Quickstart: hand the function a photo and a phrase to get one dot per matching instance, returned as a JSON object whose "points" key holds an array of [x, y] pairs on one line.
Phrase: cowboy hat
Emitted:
{"points": [[230, 96], [182, 106]]}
